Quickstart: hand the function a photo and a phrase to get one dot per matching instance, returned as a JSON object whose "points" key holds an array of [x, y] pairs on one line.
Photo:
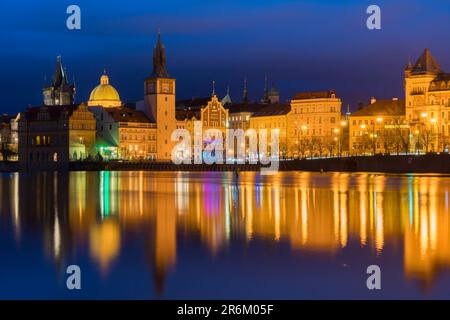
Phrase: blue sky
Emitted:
{"points": [[300, 45]]}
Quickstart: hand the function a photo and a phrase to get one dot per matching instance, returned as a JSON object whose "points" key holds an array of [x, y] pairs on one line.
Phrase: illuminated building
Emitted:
{"points": [[8, 137], [209, 112], [427, 97], [60, 92], [104, 94], [314, 124], [240, 114], [51, 136], [273, 117], [159, 102], [124, 133], [379, 127]]}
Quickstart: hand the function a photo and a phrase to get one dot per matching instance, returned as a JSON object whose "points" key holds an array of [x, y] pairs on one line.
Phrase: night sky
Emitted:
{"points": [[301, 45]]}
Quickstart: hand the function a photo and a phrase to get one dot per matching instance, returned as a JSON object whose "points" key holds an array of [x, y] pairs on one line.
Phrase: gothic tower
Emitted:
{"points": [[159, 101], [60, 92]]}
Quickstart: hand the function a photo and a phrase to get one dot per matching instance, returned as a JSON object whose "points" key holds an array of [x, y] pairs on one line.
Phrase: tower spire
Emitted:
{"points": [[245, 92], [159, 59], [213, 88]]}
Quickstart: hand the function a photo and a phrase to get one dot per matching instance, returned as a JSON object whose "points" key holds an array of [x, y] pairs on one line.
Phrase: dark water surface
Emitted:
{"points": [[211, 235]]}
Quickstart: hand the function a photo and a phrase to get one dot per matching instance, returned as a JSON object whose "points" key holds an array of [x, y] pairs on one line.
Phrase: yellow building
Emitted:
{"points": [[379, 127], [314, 124], [427, 97], [273, 117], [104, 94], [51, 136]]}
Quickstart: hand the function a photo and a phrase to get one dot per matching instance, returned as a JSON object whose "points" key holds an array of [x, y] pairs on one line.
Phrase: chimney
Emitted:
{"points": [[373, 100]]}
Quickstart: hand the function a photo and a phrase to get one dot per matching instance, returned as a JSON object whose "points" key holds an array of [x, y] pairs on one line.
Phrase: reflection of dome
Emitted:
{"points": [[105, 243], [104, 94]]}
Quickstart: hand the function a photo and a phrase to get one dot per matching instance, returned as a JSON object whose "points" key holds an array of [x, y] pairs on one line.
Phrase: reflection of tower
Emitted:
{"points": [[159, 101], [162, 245]]}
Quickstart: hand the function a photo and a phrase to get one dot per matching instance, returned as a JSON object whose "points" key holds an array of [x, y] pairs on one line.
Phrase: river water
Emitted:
{"points": [[172, 235]]}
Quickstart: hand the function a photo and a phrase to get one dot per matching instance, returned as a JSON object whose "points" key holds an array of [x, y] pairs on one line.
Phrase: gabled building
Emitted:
{"points": [[209, 111]]}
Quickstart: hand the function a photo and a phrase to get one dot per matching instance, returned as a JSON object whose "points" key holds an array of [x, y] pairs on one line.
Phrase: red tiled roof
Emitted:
{"points": [[313, 95], [273, 110], [382, 108]]}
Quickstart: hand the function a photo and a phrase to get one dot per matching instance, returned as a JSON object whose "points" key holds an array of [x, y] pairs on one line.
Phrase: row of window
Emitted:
{"points": [[138, 137], [43, 156], [314, 109]]}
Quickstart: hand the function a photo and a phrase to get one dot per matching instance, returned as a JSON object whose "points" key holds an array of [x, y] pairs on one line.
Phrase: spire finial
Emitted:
{"points": [[214, 88], [104, 70], [245, 92], [228, 89]]}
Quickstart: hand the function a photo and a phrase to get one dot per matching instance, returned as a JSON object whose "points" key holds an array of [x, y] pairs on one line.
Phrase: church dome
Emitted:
{"points": [[104, 94]]}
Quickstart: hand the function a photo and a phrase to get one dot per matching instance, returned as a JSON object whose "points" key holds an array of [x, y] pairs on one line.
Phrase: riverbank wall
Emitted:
{"points": [[430, 163]]}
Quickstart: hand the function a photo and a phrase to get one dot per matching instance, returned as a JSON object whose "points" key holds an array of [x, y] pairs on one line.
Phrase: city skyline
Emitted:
{"points": [[125, 48]]}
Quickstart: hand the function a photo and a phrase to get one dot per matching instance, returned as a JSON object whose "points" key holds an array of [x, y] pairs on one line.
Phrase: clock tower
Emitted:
{"points": [[159, 102]]}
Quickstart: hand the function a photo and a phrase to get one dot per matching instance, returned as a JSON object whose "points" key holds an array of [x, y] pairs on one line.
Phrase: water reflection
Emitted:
{"points": [[319, 214]]}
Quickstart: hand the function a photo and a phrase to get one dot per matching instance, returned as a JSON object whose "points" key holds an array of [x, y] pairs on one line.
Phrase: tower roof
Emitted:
{"points": [[59, 77], [159, 60], [426, 63]]}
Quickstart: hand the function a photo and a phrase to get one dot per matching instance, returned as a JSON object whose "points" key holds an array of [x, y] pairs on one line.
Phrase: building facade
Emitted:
{"points": [[314, 124], [427, 98], [51, 136], [379, 127], [273, 117], [124, 133]]}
